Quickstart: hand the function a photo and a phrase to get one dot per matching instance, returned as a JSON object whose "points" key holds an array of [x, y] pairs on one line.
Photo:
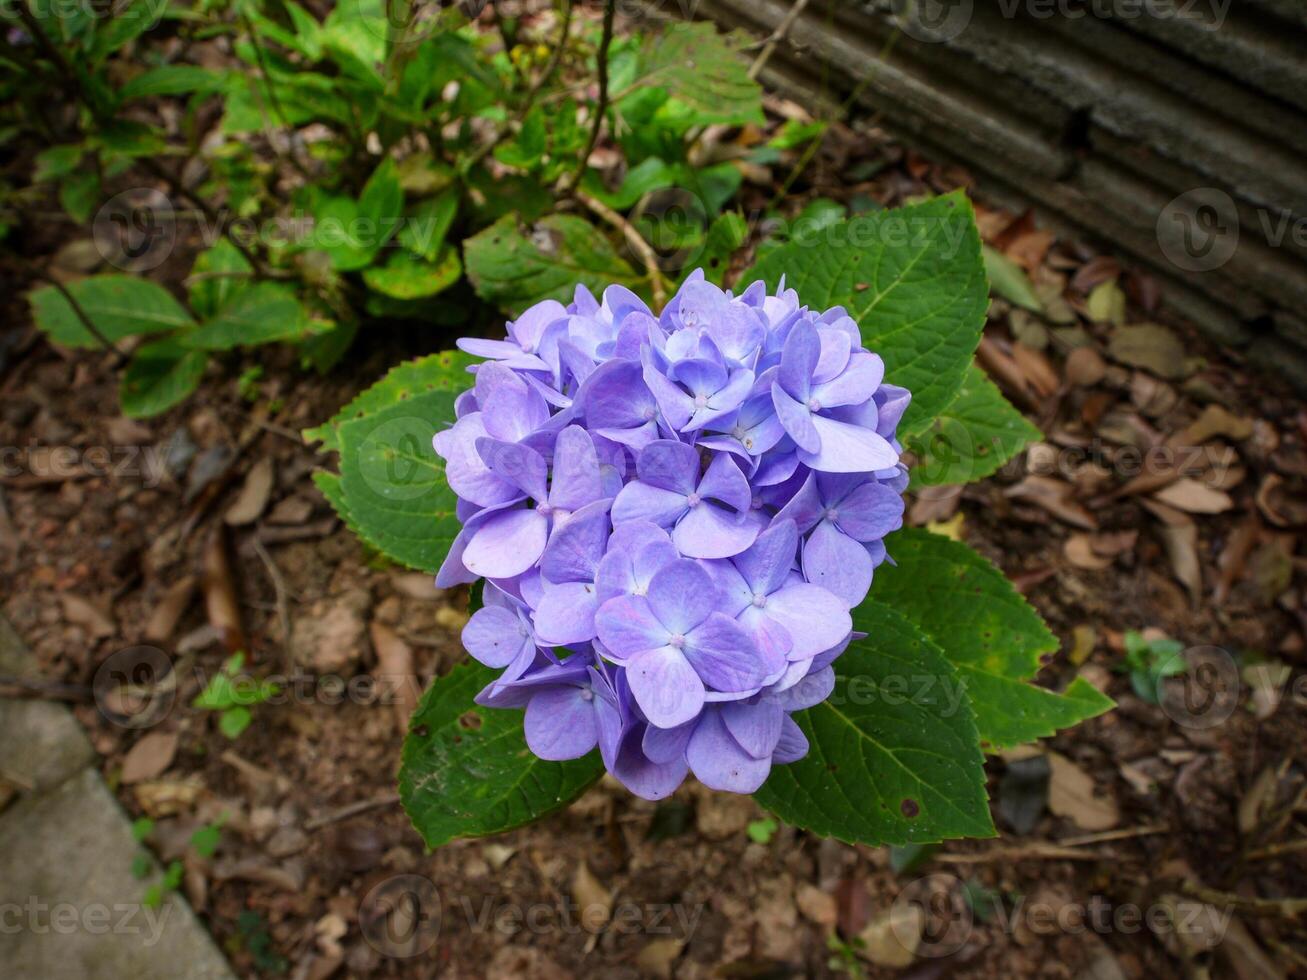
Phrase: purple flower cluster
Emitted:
{"points": [[674, 515]]}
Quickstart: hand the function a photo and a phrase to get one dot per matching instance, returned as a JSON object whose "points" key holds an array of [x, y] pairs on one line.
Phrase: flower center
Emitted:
{"points": [[650, 413], [587, 694], [677, 641], [814, 405], [831, 513], [693, 499], [544, 508], [759, 600], [700, 401]]}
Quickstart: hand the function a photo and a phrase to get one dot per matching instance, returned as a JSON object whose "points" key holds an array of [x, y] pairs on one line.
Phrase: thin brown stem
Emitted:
{"points": [[601, 107], [657, 286]]}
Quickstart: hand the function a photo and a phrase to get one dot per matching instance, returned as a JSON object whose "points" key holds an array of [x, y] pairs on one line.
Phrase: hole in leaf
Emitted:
{"points": [[470, 720], [422, 731]]}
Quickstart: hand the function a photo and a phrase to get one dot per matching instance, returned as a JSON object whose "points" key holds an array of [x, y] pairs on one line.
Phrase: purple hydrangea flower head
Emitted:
{"points": [[674, 515]]}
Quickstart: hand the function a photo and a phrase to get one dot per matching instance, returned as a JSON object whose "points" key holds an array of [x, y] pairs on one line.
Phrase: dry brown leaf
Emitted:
{"points": [[254, 494], [1150, 346], [816, 905], [1000, 366], [88, 615], [166, 797], [892, 938], [1234, 557], [168, 613], [594, 901], [1038, 371], [1079, 551], [1083, 640], [292, 511], [417, 585], [1085, 367], [1152, 397], [1193, 497], [1094, 272], [1113, 543], [1071, 794], [1054, 496], [395, 673], [1214, 421], [1028, 250], [150, 757], [1106, 303], [1277, 505], [1181, 541], [220, 601], [657, 958]]}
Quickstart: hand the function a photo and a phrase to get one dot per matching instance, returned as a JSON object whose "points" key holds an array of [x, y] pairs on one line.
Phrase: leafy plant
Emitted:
{"points": [[203, 842], [381, 163], [232, 693], [889, 762], [1150, 662]]}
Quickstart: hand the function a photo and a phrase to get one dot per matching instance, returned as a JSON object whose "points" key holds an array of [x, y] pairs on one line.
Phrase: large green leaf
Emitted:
{"points": [[467, 770], [406, 276], [705, 71], [259, 314], [914, 281], [392, 489], [119, 306], [159, 375], [515, 267], [893, 752], [169, 80], [988, 631], [219, 273], [971, 438]]}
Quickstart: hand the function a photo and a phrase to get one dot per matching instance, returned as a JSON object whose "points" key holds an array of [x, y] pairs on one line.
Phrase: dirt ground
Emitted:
{"points": [[1159, 840]]}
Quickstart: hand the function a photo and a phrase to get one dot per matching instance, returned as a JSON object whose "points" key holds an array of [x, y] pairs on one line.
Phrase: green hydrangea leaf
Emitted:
{"points": [[406, 276], [515, 266], [220, 272], [972, 438], [988, 631], [119, 306], [893, 752], [159, 375], [258, 314], [705, 72], [914, 281], [392, 490], [466, 771]]}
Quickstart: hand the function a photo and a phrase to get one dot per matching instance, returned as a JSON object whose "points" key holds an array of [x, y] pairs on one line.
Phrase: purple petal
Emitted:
{"points": [[682, 595], [675, 404], [719, 762], [837, 563], [576, 481], [560, 724], [870, 512], [669, 465], [815, 618], [616, 397], [799, 358], [846, 448], [646, 779], [566, 614], [627, 627], [514, 463], [724, 481], [893, 402], [836, 345], [726, 657], [665, 745], [665, 686], [641, 502], [795, 419], [495, 635], [815, 688], [466, 471], [507, 544], [856, 385], [708, 531], [737, 331], [755, 726], [577, 546], [767, 563], [793, 744]]}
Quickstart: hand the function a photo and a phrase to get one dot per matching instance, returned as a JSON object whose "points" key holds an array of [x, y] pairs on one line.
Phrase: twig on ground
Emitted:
{"points": [[37, 688], [278, 586], [601, 109], [352, 810], [637, 242], [1282, 908], [777, 36]]}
